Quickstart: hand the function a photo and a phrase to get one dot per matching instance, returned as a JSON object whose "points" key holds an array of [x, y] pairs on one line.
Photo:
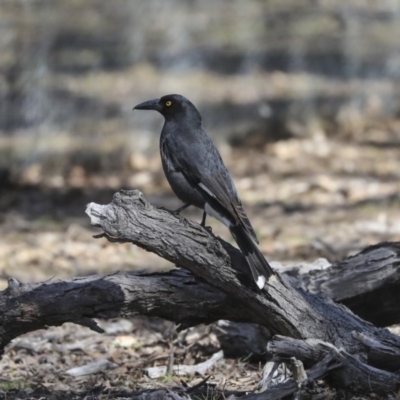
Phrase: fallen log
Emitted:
{"points": [[368, 283], [176, 296]]}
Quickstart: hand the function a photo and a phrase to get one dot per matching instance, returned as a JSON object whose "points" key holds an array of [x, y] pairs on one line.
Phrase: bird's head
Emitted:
{"points": [[171, 106]]}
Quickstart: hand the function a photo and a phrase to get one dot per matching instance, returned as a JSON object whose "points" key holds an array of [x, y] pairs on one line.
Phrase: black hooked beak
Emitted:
{"points": [[149, 105]]}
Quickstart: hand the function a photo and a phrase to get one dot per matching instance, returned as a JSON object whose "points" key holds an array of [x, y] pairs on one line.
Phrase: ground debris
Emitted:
{"points": [[101, 365], [201, 368]]}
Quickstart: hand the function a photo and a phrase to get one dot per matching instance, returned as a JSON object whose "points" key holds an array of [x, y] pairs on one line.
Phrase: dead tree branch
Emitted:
{"points": [[363, 283], [176, 296]]}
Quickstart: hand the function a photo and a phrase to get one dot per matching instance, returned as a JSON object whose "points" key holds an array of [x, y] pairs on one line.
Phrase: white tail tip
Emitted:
{"points": [[261, 281]]}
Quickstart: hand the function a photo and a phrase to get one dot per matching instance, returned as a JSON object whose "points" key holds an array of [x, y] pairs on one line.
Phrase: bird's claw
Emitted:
{"points": [[176, 213], [163, 208], [208, 229], [185, 222], [169, 211]]}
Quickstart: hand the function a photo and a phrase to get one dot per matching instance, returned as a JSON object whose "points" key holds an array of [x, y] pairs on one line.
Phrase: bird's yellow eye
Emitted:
{"points": [[168, 103]]}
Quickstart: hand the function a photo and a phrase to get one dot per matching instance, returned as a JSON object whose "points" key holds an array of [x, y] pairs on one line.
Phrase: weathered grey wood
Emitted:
{"points": [[368, 283], [353, 375], [376, 299], [280, 307], [187, 244], [383, 354], [239, 339], [176, 296], [282, 390]]}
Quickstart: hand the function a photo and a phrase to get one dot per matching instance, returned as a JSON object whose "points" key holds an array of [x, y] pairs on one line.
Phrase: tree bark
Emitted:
{"points": [[368, 283], [353, 374], [176, 296]]}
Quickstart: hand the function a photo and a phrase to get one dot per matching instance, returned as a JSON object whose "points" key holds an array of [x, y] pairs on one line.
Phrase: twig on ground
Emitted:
{"points": [[201, 368], [100, 365]]}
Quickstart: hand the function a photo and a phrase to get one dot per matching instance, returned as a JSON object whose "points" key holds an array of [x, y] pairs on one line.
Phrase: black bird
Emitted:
{"points": [[198, 176]]}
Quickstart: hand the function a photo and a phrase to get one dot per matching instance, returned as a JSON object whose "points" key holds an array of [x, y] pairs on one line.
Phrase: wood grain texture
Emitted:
{"points": [[368, 283]]}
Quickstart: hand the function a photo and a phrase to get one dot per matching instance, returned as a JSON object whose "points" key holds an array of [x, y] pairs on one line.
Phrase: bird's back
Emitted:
{"points": [[193, 152]]}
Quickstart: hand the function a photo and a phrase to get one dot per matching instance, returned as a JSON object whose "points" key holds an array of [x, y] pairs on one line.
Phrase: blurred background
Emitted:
{"points": [[302, 98]]}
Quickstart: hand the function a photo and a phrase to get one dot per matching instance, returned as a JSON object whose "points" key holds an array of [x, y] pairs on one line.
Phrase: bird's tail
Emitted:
{"points": [[260, 269]]}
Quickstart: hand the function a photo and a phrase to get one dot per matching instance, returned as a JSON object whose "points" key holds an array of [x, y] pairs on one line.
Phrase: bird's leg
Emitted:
{"points": [[203, 220], [181, 208], [177, 211]]}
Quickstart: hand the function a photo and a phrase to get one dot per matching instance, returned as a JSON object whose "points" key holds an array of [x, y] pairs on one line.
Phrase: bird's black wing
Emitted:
{"points": [[221, 187], [208, 173]]}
